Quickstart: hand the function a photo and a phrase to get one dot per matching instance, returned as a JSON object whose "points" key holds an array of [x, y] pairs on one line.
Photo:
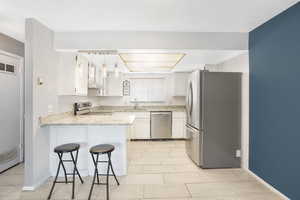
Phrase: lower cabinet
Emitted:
{"points": [[141, 126], [178, 125], [177, 128]]}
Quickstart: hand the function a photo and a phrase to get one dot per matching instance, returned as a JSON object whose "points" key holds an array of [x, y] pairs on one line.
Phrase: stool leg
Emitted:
{"points": [[98, 180], [55, 179], [76, 158], [73, 181], [95, 174], [60, 155], [112, 169], [107, 178]]}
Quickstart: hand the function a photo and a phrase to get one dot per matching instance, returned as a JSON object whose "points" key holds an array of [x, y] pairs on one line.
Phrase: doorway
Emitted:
{"points": [[11, 110]]}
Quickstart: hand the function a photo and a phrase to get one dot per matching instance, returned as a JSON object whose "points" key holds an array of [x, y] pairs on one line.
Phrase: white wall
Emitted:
{"points": [[41, 61], [11, 45], [240, 64], [150, 40]]}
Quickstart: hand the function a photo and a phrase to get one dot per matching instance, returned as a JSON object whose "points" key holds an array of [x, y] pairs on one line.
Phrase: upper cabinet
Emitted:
{"points": [[179, 82], [73, 74], [148, 89], [111, 86], [114, 85]]}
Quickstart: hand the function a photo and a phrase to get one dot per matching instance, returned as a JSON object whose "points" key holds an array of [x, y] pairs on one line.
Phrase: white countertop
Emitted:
{"points": [[66, 119]]}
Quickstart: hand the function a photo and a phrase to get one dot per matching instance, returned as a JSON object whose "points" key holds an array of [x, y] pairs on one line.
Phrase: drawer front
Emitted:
{"points": [[141, 114]]}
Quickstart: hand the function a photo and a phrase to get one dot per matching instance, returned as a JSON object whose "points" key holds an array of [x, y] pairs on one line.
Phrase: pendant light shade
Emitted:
{"points": [[116, 70], [104, 71]]}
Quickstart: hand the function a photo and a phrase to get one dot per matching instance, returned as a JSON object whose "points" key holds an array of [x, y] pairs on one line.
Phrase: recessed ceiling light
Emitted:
{"points": [[149, 62]]}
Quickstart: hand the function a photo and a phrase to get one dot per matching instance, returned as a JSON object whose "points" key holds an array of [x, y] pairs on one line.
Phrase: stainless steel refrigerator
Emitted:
{"points": [[213, 128]]}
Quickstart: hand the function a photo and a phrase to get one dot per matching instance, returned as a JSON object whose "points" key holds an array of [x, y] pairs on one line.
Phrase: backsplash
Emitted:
{"points": [[65, 103]]}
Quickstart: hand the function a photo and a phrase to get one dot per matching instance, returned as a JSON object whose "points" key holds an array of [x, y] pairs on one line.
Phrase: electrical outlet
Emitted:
{"points": [[238, 153]]}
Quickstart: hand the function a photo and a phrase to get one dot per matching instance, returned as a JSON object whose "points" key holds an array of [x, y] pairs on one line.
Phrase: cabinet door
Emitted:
{"points": [[140, 129], [156, 90], [178, 124], [81, 76], [180, 84], [72, 75], [148, 89], [177, 128], [114, 86], [66, 74]]}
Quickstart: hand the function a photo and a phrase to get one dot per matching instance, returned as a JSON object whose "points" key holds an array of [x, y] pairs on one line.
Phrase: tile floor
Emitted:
{"points": [[157, 171]]}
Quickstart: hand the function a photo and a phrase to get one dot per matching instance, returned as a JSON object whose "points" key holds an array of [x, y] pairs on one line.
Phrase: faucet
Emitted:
{"points": [[136, 104]]}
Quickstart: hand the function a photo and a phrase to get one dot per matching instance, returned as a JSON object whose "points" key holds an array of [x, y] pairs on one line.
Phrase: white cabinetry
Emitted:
{"points": [[141, 126], [148, 89], [178, 125], [113, 86], [73, 75], [179, 83]]}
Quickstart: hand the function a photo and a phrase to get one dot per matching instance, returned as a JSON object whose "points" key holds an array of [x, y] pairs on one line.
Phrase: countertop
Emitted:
{"points": [[116, 115], [174, 108], [83, 120]]}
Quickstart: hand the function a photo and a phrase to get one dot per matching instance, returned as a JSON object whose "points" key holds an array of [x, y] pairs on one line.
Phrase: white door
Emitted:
{"points": [[10, 111]]}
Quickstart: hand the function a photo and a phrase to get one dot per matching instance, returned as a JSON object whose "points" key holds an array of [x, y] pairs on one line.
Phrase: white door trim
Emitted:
{"points": [[21, 72]]}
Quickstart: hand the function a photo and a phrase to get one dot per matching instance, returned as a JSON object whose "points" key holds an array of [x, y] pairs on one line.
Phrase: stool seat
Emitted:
{"points": [[66, 148], [102, 148]]}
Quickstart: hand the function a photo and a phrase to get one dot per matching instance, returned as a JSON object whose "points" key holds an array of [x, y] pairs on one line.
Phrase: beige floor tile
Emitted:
{"points": [[158, 170], [146, 161], [141, 179], [170, 168], [10, 192], [168, 199], [11, 180], [176, 161], [223, 189], [184, 178], [211, 189], [166, 191], [135, 169], [127, 192], [258, 197]]}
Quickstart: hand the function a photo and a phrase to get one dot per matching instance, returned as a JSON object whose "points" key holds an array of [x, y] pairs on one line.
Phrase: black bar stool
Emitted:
{"points": [[60, 150], [96, 151]]}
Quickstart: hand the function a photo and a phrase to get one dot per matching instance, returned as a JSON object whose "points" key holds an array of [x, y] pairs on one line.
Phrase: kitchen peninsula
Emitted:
{"points": [[89, 130]]}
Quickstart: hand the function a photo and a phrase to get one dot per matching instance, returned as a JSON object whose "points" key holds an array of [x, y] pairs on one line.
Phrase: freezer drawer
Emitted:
{"points": [[161, 125], [194, 145]]}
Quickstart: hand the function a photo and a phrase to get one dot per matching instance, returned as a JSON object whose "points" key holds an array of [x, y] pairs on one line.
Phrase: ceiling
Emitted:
{"points": [[137, 15], [193, 59]]}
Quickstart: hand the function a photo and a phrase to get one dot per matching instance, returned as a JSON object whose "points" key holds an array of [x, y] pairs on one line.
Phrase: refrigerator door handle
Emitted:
{"points": [[191, 99], [192, 129]]}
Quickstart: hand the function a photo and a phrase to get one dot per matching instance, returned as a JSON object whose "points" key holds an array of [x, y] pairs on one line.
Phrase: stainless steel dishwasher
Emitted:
{"points": [[161, 125]]}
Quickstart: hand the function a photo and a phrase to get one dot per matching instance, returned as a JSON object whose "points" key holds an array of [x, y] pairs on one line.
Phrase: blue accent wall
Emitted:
{"points": [[274, 50]]}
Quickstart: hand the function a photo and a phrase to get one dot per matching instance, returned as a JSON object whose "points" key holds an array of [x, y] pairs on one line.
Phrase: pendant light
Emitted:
{"points": [[104, 68], [116, 71]]}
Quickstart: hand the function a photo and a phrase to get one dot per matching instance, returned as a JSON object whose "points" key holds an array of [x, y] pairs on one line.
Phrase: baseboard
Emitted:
{"points": [[39, 183], [5, 166], [267, 185]]}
